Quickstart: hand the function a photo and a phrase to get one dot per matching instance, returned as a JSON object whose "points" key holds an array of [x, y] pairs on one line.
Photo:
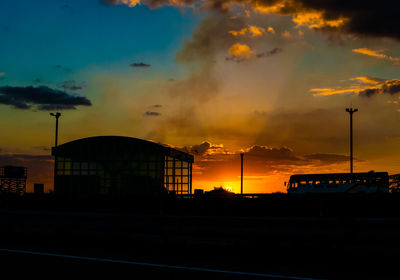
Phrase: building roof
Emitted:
{"points": [[124, 142]]}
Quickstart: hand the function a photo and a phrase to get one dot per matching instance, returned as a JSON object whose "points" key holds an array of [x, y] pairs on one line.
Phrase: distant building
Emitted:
{"points": [[13, 179], [120, 166], [369, 182]]}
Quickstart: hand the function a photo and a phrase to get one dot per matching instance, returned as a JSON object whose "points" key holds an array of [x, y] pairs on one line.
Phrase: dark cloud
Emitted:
{"points": [[156, 106], [370, 92], [40, 98], [111, 2], [73, 85], [387, 87], [38, 81], [200, 149], [272, 154], [270, 53], [326, 158], [152, 114], [140, 64], [63, 68], [41, 148]]}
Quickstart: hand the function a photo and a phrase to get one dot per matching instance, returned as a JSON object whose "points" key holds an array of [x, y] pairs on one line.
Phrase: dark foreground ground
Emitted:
{"points": [[313, 242]]}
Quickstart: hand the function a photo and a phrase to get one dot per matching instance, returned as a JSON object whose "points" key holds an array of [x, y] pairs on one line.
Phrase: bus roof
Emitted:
{"points": [[332, 175]]}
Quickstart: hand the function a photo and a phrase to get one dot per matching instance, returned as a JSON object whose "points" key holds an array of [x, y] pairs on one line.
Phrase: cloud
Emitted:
{"points": [[130, 3], [272, 154], [73, 85], [152, 114], [63, 68], [369, 18], [270, 53], [377, 54], [326, 158], [251, 31], [2, 74], [155, 106], [40, 98], [140, 64], [287, 35], [242, 52], [369, 80], [216, 162], [38, 81], [271, 30], [369, 87]]}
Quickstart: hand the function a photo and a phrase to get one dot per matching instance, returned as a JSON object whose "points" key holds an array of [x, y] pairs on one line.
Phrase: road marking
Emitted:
{"points": [[156, 265]]}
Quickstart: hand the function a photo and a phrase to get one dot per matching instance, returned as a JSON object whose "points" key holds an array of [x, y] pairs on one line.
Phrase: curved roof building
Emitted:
{"points": [[120, 166]]}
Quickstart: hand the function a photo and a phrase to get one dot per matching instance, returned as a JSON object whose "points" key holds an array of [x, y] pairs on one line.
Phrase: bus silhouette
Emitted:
{"points": [[369, 182]]}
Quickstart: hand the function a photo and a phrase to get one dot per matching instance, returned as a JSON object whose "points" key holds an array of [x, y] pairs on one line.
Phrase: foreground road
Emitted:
{"points": [[100, 265], [175, 247]]}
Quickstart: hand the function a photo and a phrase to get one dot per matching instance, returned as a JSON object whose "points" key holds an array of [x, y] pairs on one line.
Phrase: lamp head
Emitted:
{"points": [[55, 115]]}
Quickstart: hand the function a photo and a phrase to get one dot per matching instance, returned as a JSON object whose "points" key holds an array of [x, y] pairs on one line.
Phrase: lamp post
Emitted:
{"points": [[241, 174], [56, 115], [351, 111]]}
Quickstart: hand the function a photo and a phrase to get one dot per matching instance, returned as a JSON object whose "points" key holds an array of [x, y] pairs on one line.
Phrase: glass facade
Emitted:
{"points": [[111, 165], [177, 175]]}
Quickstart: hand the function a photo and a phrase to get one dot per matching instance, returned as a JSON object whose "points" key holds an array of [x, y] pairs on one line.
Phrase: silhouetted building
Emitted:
{"points": [[369, 182], [13, 179], [120, 166], [38, 188]]}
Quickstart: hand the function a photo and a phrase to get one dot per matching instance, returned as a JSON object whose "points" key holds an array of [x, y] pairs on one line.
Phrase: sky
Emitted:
{"points": [[216, 78]]}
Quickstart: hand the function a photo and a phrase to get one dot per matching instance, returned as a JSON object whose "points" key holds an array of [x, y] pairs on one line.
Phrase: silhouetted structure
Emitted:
{"points": [[120, 166], [351, 111], [241, 173], [370, 182], [57, 116], [38, 188], [13, 179]]}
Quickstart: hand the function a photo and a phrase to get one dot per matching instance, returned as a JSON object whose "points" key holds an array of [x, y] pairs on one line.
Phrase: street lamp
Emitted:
{"points": [[56, 115], [351, 111]]}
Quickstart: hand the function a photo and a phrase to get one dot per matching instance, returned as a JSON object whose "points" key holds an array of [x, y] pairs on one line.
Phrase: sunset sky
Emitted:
{"points": [[267, 78]]}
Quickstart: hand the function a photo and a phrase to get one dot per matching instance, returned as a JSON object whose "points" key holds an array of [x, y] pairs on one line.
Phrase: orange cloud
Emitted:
{"points": [[265, 9], [378, 54], [316, 20], [271, 30], [369, 86], [241, 32], [130, 3], [2, 74], [287, 34], [369, 80], [251, 30], [241, 52], [256, 31]]}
